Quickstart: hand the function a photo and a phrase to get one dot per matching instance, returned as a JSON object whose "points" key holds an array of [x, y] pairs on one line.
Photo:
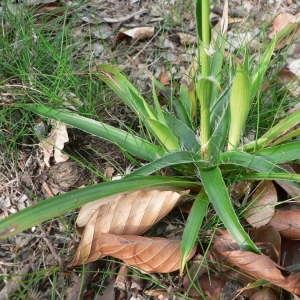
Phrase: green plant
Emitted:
{"points": [[206, 166]]}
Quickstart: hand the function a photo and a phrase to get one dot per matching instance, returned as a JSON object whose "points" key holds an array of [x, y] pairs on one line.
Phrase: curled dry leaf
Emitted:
{"points": [[287, 223], [257, 265], [55, 140], [127, 213], [263, 206], [150, 255], [139, 33]]}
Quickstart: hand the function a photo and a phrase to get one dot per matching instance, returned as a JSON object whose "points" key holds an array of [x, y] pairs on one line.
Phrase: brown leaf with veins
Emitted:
{"points": [[151, 255], [287, 223], [262, 208], [257, 265], [127, 213]]}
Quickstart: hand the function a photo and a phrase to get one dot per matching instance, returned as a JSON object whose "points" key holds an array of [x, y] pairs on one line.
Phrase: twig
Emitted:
{"points": [[52, 249]]}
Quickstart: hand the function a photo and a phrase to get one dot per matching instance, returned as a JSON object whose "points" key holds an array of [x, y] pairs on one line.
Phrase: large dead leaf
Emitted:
{"points": [[287, 223], [257, 265], [151, 255], [262, 208], [127, 213]]}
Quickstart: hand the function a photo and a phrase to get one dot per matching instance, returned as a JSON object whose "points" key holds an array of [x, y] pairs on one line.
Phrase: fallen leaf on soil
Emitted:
{"points": [[287, 24], [187, 39], [290, 255], [151, 255], [282, 20], [268, 239], [139, 33], [127, 213], [257, 265], [263, 203], [164, 78], [55, 140], [264, 294], [293, 191], [291, 81], [287, 223]]}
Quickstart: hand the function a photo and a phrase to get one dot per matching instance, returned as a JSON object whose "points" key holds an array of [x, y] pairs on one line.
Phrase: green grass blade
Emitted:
{"points": [[279, 130], [193, 224], [178, 105], [258, 74], [215, 188], [129, 142], [125, 90], [55, 206], [188, 100], [159, 113], [172, 159], [281, 153]]}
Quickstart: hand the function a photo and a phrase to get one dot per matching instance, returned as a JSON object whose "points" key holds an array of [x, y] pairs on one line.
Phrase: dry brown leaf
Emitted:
{"points": [[164, 78], [264, 294], [55, 140], [287, 223], [139, 33], [291, 22], [282, 20], [291, 81], [127, 213], [268, 239], [257, 265], [263, 206], [187, 39], [150, 255]]}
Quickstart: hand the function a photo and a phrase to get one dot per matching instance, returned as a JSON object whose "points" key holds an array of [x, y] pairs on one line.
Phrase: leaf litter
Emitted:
{"points": [[111, 228]]}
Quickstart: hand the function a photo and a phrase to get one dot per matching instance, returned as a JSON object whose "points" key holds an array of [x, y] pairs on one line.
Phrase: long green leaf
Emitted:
{"points": [[186, 137], [181, 158], [131, 143], [215, 188], [258, 73], [193, 224], [287, 177], [249, 161], [219, 121], [47, 209], [281, 153]]}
